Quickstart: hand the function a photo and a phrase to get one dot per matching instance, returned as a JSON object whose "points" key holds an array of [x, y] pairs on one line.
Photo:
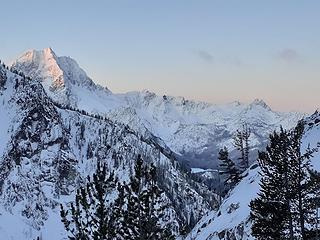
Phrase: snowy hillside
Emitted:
{"points": [[195, 130], [231, 221], [47, 151]]}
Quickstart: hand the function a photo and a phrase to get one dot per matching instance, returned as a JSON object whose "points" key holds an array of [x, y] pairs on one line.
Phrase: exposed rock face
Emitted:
{"points": [[3, 79]]}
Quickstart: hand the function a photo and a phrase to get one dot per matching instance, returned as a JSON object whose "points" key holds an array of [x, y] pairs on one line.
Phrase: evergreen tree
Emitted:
{"points": [[228, 168], [305, 183], [242, 144], [270, 212], [285, 207], [89, 217]]}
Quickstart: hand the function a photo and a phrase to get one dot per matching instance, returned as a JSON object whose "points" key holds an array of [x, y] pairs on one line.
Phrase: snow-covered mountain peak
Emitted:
{"points": [[37, 55], [261, 103], [60, 76]]}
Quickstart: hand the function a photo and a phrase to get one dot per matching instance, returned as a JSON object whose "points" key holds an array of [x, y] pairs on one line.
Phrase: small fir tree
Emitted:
{"points": [[228, 168]]}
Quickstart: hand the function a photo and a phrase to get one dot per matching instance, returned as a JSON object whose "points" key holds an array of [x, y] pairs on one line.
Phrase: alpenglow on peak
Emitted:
{"points": [[61, 77]]}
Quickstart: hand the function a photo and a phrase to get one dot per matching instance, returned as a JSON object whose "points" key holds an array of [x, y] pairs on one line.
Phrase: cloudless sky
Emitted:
{"points": [[216, 51]]}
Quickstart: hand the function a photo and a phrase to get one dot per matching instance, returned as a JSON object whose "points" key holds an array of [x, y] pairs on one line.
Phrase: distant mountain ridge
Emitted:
{"points": [[194, 130]]}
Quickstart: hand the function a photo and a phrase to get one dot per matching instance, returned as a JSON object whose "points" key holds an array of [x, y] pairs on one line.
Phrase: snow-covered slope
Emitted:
{"points": [[195, 130], [47, 152], [232, 221]]}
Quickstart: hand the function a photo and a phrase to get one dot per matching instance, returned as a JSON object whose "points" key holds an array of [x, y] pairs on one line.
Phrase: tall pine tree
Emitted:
{"points": [[242, 144], [285, 207], [270, 212], [305, 183]]}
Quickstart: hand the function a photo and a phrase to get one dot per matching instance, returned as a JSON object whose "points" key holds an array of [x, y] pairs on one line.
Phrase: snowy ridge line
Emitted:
{"points": [[149, 138]]}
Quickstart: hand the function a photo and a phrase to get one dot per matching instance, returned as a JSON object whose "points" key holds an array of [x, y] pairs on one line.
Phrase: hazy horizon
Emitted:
{"points": [[210, 51]]}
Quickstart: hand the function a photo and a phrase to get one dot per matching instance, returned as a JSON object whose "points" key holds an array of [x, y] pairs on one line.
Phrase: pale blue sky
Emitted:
{"points": [[216, 51]]}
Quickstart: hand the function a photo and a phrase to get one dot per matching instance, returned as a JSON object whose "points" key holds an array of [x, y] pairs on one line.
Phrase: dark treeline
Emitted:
{"points": [[135, 214]]}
